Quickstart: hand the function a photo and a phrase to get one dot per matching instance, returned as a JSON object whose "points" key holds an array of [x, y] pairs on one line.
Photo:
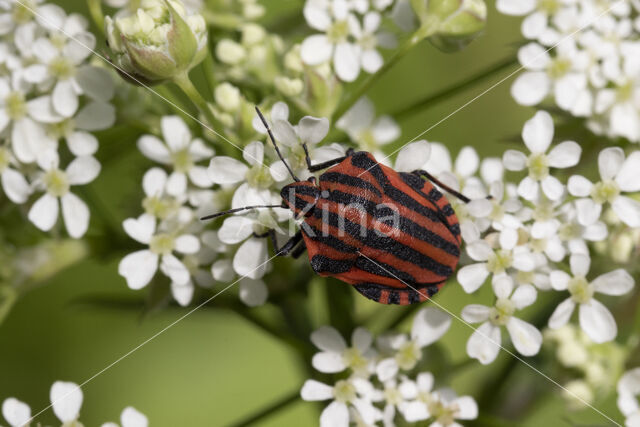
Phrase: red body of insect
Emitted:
{"points": [[392, 235]]}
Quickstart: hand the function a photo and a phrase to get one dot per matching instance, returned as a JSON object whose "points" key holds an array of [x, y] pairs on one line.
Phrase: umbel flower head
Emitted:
{"points": [[158, 42]]}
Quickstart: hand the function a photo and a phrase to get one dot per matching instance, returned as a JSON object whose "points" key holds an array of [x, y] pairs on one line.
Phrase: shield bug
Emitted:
{"points": [[370, 226]]}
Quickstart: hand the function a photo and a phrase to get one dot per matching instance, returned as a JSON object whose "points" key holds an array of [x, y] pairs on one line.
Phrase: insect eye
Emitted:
{"points": [[325, 194]]}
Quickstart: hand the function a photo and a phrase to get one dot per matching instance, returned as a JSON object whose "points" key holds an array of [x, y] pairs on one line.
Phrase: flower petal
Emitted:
{"points": [[530, 88], [597, 322], [429, 325], [328, 339], [524, 296], [131, 417], [616, 282], [17, 413], [187, 244], [579, 186], [628, 210], [316, 49], [610, 162], [176, 132], [313, 390], [250, 259], [226, 170], [525, 337], [471, 277], [328, 362], [628, 178], [75, 214], [312, 129], [413, 156], [138, 268], [345, 61], [537, 132], [484, 343], [564, 155], [253, 292], [475, 313], [64, 98], [514, 160], [173, 268], [66, 399], [15, 186], [335, 415], [44, 212], [153, 148], [83, 170], [562, 314]]}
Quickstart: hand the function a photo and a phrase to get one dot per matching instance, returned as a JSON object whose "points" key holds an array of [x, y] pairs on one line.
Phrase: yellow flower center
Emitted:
{"points": [[569, 231], [392, 395], [62, 68], [344, 391], [182, 160], [605, 191], [538, 166], [499, 261], [259, 177], [624, 92], [22, 11], [548, 6], [56, 182], [501, 312], [558, 67], [61, 129], [159, 207], [352, 357], [16, 105], [442, 414], [581, 291], [162, 244], [408, 355], [338, 32]]}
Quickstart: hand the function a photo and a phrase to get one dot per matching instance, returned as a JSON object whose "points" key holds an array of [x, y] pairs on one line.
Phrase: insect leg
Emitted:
{"points": [[323, 165], [288, 246], [445, 187], [299, 250]]}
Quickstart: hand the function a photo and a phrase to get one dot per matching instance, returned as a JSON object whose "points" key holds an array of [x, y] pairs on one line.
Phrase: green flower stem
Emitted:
{"points": [[95, 10], [8, 297], [454, 89], [184, 83], [208, 67], [426, 30], [278, 405]]}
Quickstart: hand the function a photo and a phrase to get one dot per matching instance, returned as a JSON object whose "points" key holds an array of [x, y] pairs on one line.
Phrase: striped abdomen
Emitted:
{"points": [[382, 231]]}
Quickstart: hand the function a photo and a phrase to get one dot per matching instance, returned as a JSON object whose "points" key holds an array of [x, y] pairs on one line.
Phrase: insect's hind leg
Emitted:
{"points": [[440, 184], [288, 246], [323, 165]]}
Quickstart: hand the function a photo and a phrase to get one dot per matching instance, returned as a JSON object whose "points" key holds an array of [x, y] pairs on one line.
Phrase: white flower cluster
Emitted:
{"points": [[521, 235], [351, 35], [66, 400], [628, 392], [379, 386], [181, 245], [49, 93], [597, 365], [586, 56]]}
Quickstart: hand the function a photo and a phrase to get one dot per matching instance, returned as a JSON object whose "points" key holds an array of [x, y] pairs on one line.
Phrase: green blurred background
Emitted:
{"points": [[214, 368]]}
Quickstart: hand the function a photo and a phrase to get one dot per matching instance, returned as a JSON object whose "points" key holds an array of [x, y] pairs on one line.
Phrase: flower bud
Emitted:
{"points": [[288, 86], [158, 42], [451, 24], [227, 97]]}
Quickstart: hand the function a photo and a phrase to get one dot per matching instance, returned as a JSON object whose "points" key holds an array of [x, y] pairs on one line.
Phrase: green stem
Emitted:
{"points": [[8, 297], [423, 32], [454, 89], [273, 408], [95, 10], [208, 68], [184, 83]]}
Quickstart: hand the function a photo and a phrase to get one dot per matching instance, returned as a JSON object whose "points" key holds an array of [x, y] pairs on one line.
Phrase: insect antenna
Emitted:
{"points": [[273, 140], [230, 211]]}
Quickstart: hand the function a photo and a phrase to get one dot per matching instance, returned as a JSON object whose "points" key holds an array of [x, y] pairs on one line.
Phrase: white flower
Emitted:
{"points": [[494, 262], [351, 44], [57, 183], [66, 399], [449, 407], [25, 119], [336, 356], [484, 343], [130, 417], [618, 175], [369, 132], [537, 134], [59, 66], [17, 413], [628, 392], [344, 394], [181, 152], [595, 319], [429, 325], [536, 24], [138, 268], [563, 75]]}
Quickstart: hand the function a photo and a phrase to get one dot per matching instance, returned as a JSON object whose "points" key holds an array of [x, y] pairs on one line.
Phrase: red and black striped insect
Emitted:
{"points": [[392, 235]]}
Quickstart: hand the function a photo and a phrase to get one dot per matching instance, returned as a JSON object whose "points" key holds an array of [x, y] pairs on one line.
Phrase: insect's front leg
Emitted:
{"points": [[288, 246], [445, 187], [323, 165]]}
